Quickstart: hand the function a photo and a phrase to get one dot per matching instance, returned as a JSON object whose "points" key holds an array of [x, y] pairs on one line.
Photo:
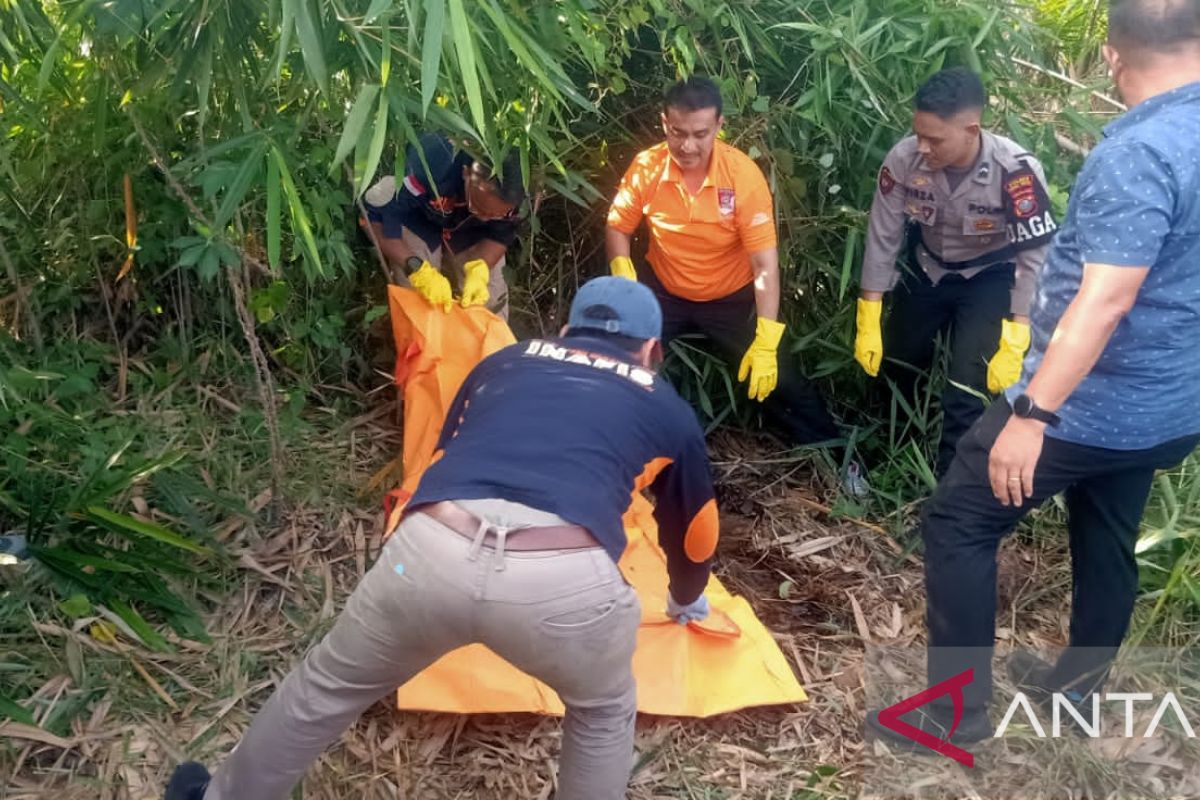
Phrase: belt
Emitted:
{"points": [[543, 537], [915, 239]]}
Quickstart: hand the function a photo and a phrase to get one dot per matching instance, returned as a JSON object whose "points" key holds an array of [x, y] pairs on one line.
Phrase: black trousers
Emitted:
{"points": [[970, 313], [796, 406], [963, 523]]}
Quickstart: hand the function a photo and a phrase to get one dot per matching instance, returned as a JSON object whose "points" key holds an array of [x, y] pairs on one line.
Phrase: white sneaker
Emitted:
{"points": [[854, 481]]}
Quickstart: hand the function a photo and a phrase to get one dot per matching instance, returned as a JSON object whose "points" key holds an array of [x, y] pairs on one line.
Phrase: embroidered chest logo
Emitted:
{"points": [[725, 201], [444, 204]]}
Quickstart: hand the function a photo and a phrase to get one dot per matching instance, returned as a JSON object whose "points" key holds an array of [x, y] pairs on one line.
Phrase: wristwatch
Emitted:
{"points": [[1025, 408], [412, 264]]}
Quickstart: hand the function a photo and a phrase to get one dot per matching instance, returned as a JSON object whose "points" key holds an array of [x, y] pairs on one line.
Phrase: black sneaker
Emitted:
{"points": [[1030, 674], [972, 729], [188, 782], [1033, 676]]}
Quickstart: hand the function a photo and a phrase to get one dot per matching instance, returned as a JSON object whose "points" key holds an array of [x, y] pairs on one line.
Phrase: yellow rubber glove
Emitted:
{"points": [[433, 286], [622, 267], [761, 362], [475, 283], [1005, 367], [868, 341]]}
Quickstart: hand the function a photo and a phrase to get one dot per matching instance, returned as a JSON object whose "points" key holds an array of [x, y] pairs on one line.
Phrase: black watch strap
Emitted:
{"points": [[1025, 408]]}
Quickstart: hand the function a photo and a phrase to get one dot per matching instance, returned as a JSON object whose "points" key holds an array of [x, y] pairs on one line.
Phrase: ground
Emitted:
{"points": [[824, 585]]}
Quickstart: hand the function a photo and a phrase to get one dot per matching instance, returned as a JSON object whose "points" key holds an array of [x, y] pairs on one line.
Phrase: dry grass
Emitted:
{"points": [[824, 585]]}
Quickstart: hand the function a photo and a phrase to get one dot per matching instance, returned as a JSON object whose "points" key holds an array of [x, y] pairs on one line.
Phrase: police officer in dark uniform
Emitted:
{"points": [[450, 212], [969, 211], [512, 540]]}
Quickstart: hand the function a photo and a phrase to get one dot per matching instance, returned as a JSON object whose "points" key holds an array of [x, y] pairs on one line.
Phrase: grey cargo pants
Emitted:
{"points": [[566, 617]]}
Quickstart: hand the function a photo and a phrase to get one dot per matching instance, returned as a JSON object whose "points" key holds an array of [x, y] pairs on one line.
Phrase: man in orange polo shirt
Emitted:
{"points": [[713, 259]]}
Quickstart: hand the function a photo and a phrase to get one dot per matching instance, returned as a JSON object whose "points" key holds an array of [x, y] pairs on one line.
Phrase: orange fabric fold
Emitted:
{"points": [[729, 661]]}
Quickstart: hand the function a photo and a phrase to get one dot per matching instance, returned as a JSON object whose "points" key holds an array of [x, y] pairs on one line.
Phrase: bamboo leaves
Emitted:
{"points": [[235, 193], [125, 524], [286, 26], [308, 30], [431, 50], [464, 49], [376, 8], [274, 223], [367, 143], [299, 216], [354, 123], [376, 147]]}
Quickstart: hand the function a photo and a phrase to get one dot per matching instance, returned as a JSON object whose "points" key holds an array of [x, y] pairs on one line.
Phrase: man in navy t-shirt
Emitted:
{"points": [[450, 213], [512, 540], [1110, 391]]}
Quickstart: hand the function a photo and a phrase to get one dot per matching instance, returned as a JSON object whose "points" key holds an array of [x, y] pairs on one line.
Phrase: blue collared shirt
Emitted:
{"points": [[1136, 203]]}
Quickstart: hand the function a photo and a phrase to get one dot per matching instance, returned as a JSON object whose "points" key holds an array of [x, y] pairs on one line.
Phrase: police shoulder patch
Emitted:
{"points": [[887, 182], [1021, 193]]}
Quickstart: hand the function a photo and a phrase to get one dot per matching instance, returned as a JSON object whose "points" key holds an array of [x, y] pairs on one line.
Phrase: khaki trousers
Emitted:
{"points": [[497, 287], [566, 617]]}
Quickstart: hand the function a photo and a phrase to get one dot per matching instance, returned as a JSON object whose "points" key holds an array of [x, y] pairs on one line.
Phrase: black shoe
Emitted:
{"points": [[1030, 674], [973, 728], [1035, 677], [188, 782]]}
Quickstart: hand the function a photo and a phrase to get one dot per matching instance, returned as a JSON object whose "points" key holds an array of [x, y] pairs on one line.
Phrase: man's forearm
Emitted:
{"points": [[766, 282], [616, 243], [394, 250]]}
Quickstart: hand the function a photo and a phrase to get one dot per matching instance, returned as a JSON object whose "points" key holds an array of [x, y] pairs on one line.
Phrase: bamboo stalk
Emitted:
{"points": [[1117, 104]]}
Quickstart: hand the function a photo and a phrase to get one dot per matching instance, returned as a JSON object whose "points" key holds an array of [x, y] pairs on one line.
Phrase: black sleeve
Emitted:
{"points": [[439, 156], [1027, 208], [686, 512]]}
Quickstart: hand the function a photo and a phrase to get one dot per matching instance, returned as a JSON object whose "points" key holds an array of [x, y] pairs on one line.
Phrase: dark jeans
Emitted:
{"points": [[795, 406], [970, 312], [962, 526]]}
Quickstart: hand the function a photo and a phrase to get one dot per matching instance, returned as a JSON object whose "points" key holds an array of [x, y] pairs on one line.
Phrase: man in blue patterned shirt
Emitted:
{"points": [[1110, 391]]}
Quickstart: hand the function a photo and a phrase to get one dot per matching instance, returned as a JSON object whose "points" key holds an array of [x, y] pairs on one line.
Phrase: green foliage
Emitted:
{"points": [[274, 115], [1076, 30], [66, 458]]}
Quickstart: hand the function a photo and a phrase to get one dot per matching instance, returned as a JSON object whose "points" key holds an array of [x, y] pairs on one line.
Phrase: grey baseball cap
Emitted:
{"points": [[616, 305]]}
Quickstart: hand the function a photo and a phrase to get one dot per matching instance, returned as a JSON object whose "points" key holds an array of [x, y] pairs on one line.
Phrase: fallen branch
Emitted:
{"points": [[24, 298], [1070, 145], [366, 226], [892, 544]]}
